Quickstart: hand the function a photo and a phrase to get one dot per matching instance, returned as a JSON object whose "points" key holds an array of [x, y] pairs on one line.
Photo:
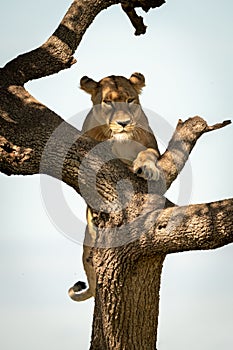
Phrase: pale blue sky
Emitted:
{"points": [[186, 57]]}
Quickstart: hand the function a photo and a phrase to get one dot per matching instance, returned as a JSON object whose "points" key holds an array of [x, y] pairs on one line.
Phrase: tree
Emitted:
{"points": [[29, 145]]}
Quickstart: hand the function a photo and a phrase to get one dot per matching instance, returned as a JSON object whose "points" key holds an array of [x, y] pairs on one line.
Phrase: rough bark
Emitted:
{"points": [[127, 302], [135, 231], [129, 275]]}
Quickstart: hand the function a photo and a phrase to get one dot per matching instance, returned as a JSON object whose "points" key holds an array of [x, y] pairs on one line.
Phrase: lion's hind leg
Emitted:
{"points": [[77, 292]]}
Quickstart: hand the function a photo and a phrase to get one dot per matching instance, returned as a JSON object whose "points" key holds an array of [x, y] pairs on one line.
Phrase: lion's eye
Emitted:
{"points": [[130, 100], [107, 102]]}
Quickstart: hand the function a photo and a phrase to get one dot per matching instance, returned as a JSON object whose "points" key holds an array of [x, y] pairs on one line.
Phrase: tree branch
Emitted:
{"points": [[137, 21], [172, 230], [57, 52], [193, 227], [146, 5], [183, 140]]}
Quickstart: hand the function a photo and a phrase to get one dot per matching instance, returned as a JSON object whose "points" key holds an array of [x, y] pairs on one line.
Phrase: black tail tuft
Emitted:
{"points": [[78, 286]]}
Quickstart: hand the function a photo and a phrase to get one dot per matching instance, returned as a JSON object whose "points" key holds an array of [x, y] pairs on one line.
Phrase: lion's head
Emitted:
{"points": [[116, 112]]}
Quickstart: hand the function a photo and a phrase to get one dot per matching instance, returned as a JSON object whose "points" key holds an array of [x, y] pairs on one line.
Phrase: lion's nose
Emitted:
{"points": [[123, 123]]}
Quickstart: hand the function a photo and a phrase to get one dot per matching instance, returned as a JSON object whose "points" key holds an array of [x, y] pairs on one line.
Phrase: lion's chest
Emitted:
{"points": [[127, 150]]}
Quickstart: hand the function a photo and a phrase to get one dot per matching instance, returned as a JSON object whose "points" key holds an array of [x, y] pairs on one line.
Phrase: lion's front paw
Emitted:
{"points": [[145, 166], [147, 170]]}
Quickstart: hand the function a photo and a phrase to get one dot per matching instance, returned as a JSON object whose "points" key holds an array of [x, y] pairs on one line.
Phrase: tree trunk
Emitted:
{"points": [[127, 302]]}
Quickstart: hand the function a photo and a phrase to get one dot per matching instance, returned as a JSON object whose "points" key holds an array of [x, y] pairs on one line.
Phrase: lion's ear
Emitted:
{"points": [[89, 85], [138, 81]]}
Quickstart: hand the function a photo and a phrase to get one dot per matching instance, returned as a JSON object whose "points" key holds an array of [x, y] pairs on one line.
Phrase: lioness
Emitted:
{"points": [[117, 115]]}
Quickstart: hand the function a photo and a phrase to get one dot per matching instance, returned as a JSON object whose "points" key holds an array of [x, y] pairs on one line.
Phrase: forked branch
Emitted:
{"points": [[183, 140], [57, 52]]}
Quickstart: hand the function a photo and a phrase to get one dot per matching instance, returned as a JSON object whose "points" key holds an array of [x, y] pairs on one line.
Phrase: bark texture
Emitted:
{"points": [[136, 225]]}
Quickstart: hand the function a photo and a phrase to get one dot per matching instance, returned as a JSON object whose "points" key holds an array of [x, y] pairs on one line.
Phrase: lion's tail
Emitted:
{"points": [[76, 293]]}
